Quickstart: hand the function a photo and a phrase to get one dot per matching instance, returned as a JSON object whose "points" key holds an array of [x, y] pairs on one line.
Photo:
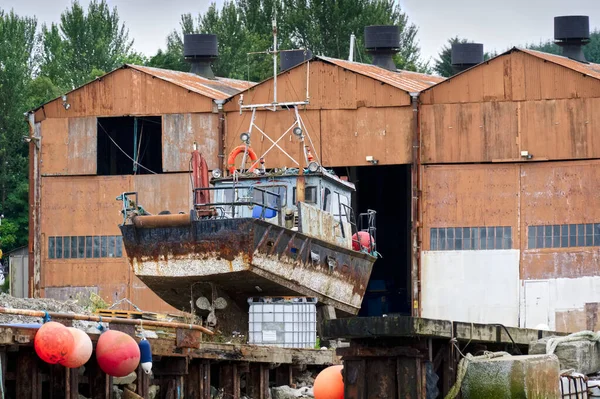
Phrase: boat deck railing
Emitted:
{"points": [[260, 208]]}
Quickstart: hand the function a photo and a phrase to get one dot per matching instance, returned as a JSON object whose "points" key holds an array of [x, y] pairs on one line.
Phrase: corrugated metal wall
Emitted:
{"points": [[552, 210], [349, 117]]}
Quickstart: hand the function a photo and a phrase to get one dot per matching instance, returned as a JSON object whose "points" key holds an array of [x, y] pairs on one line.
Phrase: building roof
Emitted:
{"points": [[586, 68], [589, 69], [217, 89], [404, 80]]}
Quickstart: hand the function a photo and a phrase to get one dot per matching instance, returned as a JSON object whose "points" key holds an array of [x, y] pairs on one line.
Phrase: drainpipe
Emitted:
{"points": [[415, 209], [34, 245], [221, 128]]}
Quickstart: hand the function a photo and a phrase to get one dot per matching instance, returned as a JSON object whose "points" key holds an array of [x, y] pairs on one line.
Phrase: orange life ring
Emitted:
{"points": [[240, 149]]}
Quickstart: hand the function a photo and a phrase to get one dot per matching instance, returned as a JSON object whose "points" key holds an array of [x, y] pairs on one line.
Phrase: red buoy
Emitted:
{"points": [[53, 343], [363, 241], [82, 349], [329, 384], [117, 353]]}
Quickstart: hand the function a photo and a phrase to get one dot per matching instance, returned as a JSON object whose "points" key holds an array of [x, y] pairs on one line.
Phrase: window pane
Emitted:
{"points": [[474, 238], [111, 246], [66, 247], [81, 247], [96, 247], [88, 247], [119, 245], [433, 239], [104, 253], [51, 242], [74, 250], [531, 231], [59, 250]]}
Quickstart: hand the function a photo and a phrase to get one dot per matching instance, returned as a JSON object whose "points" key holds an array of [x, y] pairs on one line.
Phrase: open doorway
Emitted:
{"points": [[387, 190], [124, 139]]}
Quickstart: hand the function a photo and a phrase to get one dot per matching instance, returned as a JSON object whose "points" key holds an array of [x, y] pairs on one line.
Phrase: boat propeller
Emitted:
{"points": [[204, 304]]}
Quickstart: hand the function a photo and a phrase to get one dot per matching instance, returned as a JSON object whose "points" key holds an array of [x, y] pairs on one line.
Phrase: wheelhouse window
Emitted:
{"points": [[310, 195], [129, 145]]}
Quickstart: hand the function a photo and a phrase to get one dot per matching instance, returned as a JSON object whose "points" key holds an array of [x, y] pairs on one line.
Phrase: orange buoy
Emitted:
{"points": [[329, 384], [363, 240], [82, 349], [53, 343], [117, 353]]}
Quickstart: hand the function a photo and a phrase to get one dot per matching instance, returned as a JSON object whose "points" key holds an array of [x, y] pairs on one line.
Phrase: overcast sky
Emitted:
{"points": [[498, 24]]}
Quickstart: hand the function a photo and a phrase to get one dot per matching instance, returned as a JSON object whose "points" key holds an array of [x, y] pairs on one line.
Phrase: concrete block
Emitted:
{"points": [[530, 376], [581, 356]]}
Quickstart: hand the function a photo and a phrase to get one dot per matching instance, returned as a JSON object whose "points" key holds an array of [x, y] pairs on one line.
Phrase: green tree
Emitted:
{"points": [[443, 64], [18, 44], [84, 44]]}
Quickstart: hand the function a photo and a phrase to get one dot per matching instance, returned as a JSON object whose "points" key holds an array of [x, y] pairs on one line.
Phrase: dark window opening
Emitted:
{"points": [[388, 290], [122, 140], [310, 195]]}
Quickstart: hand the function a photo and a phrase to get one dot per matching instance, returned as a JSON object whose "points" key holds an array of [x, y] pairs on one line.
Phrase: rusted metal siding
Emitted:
{"points": [[558, 194], [330, 87], [474, 132], [518, 75], [54, 145], [69, 146], [349, 136], [471, 196], [499, 131], [82, 146], [157, 193], [274, 124], [180, 131], [87, 206], [126, 92]]}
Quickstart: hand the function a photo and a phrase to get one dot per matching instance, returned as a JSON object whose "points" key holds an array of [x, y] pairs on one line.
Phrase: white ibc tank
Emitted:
{"points": [[287, 322]]}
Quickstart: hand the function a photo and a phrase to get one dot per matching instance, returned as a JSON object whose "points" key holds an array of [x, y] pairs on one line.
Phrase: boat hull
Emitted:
{"points": [[245, 257]]}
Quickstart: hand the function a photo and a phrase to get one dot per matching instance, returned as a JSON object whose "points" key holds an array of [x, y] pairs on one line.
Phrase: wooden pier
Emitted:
{"points": [[183, 367], [393, 357]]}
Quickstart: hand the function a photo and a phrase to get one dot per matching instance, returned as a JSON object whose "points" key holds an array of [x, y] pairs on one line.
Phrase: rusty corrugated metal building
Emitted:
{"points": [[89, 140], [510, 193]]}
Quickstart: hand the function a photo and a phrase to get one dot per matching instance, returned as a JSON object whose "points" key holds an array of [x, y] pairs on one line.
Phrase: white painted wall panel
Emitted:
{"points": [[564, 294], [471, 286]]}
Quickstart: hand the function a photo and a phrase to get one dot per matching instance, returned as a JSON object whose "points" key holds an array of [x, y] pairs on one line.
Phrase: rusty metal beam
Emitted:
{"points": [[415, 210]]}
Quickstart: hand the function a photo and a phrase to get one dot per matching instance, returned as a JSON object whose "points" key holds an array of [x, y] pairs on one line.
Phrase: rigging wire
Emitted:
{"points": [[124, 153]]}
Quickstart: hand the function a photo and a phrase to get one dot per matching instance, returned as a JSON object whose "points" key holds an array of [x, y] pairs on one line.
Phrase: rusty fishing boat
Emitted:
{"points": [[256, 232], [278, 233]]}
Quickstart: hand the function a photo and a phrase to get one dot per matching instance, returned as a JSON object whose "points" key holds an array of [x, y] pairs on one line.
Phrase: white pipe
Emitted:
{"points": [[351, 54]]}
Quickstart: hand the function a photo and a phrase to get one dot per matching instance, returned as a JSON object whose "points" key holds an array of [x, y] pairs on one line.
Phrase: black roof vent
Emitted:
{"points": [[572, 32], [466, 55], [382, 42], [291, 58], [201, 50]]}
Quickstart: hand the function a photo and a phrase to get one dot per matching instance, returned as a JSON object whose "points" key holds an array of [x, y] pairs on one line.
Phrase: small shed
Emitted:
{"points": [[17, 270]]}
